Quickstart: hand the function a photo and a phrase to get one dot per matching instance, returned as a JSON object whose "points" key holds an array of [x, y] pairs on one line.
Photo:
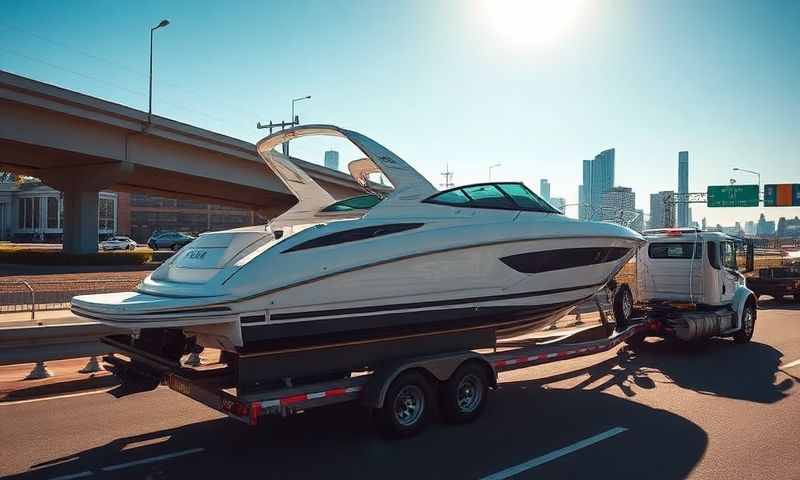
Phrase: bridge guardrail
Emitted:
{"points": [[30, 296]]}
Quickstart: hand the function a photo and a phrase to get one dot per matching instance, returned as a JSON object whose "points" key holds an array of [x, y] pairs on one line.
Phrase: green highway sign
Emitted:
{"points": [[732, 195]]}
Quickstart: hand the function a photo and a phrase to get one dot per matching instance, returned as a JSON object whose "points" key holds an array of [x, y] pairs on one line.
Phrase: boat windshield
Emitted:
{"points": [[360, 202], [503, 196]]}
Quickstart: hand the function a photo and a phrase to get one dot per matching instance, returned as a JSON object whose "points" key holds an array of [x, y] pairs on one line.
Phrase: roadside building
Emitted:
{"points": [[33, 212], [764, 227]]}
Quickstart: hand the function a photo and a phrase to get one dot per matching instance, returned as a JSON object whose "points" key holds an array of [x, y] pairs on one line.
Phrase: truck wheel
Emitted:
{"points": [[406, 408], [748, 324], [623, 307], [465, 394]]}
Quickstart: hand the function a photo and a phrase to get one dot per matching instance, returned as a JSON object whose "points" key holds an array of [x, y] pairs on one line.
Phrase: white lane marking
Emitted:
{"points": [[87, 473], [790, 364], [511, 471], [119, 466], [32, 400]]}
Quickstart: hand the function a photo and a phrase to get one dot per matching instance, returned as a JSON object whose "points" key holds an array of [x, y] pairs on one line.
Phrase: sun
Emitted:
{"points": [[527, 23]]}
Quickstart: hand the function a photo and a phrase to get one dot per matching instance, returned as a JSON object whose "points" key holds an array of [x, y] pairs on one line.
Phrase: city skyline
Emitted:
{"points": [[704, 93]]}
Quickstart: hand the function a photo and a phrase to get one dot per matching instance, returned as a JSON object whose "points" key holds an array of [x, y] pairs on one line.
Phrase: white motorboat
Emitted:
{"points": [[367, 279]]}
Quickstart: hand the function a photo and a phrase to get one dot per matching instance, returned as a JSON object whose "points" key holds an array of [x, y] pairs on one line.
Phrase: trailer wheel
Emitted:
{"points": [[623, 307], [406, 408], [748, 324], [465, 393]]}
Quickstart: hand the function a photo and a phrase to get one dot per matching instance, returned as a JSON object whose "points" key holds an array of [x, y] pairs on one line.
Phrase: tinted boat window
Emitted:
{"points": [[523, 197], [353, 235], [504, 196], [488, 196], [675, 250], [361, 202], [452, 197]]}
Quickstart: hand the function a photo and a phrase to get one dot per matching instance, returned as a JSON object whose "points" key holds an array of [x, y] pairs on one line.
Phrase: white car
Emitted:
{"points": [[118, 243]]}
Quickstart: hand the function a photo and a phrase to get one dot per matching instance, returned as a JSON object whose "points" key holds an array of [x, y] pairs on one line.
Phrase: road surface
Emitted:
{"points": [[729, 411]]}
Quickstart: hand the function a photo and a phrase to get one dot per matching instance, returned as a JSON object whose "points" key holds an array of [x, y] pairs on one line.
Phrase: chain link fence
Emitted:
{"points": [[30, 296]]}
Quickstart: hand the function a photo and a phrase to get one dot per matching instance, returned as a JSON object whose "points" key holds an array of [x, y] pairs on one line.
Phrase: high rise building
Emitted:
{"points": [[657, 217], [602, 177], [584, 190], [683, 187], [544, 189], [332, 159], [750, 227], [598, 178], [559, 203], [618, 205]]}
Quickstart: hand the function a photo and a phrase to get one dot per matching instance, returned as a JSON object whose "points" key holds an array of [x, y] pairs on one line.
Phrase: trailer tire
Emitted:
{"points": [[464, 395], [406, 407], [748, 324], [623, 307]]}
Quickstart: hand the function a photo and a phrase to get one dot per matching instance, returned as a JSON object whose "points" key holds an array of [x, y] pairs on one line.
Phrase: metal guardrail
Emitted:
{"points": [[28, 296]]}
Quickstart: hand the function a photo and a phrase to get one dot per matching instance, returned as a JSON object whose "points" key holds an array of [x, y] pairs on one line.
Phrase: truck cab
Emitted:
{"points": [[686, 265], [688, 281]]}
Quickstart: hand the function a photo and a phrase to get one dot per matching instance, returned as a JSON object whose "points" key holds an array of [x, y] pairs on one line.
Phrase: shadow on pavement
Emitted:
{"points": [[522, 421], [717, 367], [773, 304]]}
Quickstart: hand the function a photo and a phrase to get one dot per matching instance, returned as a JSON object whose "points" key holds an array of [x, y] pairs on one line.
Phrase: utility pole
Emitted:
{"points": [[282, 125], [447, 178]]}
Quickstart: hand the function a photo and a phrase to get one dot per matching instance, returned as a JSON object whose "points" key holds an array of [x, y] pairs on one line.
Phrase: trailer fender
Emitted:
{"points": [[440, 367], [741, 297]]}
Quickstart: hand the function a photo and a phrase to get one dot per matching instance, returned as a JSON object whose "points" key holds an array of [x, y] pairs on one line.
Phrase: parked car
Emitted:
{"points": [[171, 240], [117, 243]]}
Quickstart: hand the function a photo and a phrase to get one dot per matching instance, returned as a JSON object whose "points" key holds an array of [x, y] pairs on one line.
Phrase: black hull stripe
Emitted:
{"points": [[437, 303], [550, 260], [314, 333]]}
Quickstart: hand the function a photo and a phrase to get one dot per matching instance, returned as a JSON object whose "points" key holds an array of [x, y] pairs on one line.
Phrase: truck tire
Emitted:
{"points": [[406, 408], [464, 395], [748, 324], [623, 307]]}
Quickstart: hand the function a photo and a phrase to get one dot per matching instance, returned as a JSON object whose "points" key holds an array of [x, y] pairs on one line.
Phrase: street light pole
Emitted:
{"points": [[162, 23], [490, 170], [294, 121], [737, 169]]}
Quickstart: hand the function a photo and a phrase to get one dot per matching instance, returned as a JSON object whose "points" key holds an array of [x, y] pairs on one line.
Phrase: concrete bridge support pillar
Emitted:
{"points": [[81, 187], [80, 221]]}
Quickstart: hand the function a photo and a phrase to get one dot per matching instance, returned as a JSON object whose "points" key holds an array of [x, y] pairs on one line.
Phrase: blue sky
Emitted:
{"points": [[450, 82]]}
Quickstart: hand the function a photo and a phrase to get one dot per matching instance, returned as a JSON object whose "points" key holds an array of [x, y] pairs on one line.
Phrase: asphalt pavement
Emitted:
{"points": [[722, 411]]}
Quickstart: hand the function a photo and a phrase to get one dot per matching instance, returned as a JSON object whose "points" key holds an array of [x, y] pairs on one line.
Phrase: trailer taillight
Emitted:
{"points": [[235, 408]]}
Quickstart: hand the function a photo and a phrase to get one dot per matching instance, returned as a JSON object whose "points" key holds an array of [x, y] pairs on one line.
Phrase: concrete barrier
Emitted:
{"points": [[42, 343]]}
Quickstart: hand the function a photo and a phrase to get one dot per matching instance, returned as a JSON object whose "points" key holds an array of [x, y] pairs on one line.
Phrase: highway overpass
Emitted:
{"points": [[80, 145]]}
